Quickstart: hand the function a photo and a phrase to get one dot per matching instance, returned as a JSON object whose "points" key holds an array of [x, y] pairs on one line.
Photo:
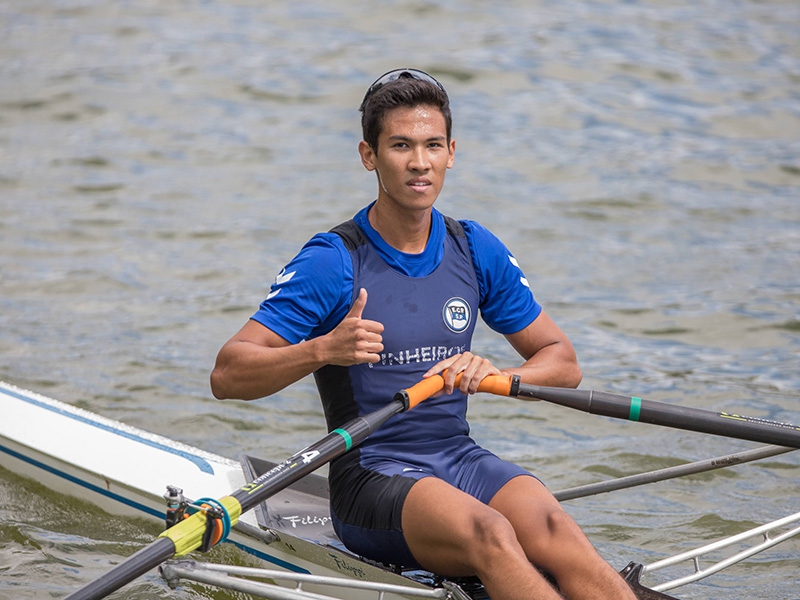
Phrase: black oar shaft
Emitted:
{"points": [[632, 408], [183, 537], [304, 462], [134, 566]]}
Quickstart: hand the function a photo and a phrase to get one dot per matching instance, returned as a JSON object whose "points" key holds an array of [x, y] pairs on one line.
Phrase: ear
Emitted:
{"points": [[367, 155], [452, 154]]}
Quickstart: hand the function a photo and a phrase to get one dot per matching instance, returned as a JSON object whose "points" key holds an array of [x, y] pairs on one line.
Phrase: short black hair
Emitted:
{"points": [[404, 92]]}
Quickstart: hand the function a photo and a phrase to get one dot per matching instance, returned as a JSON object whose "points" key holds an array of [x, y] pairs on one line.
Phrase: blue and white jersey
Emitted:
{"points": [[428, 304]]}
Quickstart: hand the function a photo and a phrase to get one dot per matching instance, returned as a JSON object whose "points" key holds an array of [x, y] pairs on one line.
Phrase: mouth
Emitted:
{"points": [[419, 184]]}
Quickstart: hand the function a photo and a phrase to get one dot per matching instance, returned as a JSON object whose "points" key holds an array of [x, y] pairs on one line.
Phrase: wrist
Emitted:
{"points": [[317, 350]]}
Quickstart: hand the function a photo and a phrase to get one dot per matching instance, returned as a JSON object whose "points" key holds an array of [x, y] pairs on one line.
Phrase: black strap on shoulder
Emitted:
{"points": [[351, 234], [454, 228]]}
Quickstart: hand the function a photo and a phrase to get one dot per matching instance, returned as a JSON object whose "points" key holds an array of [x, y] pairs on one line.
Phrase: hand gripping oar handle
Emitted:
{"points": [[187, 535], [501, 385]]}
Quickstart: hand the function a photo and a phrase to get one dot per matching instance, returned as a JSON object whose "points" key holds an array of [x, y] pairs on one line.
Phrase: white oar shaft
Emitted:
{"points": [[188, 569]]}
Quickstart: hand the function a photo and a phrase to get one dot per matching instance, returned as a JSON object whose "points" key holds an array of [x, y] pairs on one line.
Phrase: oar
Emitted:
{"points": [[187, 535], [632, 408]]}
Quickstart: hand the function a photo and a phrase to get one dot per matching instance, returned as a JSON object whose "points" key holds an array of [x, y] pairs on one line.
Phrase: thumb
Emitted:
{"points": [[358, 305]]}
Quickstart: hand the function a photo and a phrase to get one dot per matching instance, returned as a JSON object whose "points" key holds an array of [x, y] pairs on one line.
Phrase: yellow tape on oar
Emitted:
{"points": [[188, 534]]}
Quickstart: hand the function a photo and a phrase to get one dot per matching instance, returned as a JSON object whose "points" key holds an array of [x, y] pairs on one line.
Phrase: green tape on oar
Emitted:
{"points": [[188, 534], [636, 409], [347, 439], [633, 408]]}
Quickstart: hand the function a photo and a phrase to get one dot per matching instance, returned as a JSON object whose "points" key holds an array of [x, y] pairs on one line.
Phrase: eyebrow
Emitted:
{"points": [[405, 138]]}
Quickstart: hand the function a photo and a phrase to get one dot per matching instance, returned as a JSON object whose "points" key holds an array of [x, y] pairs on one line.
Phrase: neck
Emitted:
{"points": [[403, 230]]}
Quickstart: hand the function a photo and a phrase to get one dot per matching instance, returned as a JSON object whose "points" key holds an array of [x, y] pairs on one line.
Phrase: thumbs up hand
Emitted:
{"points": [[354, 340], [358, 306]]}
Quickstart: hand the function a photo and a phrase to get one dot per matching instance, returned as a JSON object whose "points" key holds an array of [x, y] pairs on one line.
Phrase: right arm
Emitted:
{"points": [[257, 362]]}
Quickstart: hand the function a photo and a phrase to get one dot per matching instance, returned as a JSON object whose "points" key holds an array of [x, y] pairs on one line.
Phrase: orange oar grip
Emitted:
{"points": [[501, 385], [497, 384], [422, 390]]}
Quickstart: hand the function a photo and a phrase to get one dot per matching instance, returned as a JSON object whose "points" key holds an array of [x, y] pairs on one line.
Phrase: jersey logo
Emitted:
{"points": [[522, 279], [280, 279], [456, 314]]}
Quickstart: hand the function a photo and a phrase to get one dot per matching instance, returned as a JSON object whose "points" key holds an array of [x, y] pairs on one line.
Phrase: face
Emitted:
{"points": [[412, 159]]}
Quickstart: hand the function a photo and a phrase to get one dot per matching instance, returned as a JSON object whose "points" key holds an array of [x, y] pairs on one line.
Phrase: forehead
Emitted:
{"points": [[422, 121]]}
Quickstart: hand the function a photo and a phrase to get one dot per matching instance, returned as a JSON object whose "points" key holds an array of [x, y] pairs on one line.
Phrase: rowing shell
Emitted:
{"points": [[57, 445]]}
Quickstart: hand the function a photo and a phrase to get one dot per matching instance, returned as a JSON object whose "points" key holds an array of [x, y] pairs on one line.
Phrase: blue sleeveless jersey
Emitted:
{"points": [[426, 319], [428, 304]]}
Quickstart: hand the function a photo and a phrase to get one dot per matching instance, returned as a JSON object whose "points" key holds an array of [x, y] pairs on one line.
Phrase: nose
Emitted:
{"points": [[420, 161]]}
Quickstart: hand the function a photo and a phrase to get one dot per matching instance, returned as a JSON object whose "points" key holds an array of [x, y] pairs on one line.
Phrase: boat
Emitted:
{"points": [[142, 474], [56, 444]]}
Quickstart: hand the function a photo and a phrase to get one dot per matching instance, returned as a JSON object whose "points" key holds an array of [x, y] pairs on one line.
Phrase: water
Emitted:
{"points": [[162, 161]]}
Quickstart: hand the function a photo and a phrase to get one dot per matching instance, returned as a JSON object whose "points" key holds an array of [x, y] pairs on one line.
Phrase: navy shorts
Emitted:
{"points": [[367, 501]]}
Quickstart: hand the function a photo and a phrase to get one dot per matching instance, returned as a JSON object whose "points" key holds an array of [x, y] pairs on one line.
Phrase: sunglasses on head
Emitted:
{"points": [[397, 74]]}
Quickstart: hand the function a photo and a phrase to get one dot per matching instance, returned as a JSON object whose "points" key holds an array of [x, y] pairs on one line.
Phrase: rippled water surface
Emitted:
{"points": [[161, 161]]}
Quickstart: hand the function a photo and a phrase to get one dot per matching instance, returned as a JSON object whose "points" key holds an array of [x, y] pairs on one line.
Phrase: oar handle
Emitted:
{"points": [[502, 385]]}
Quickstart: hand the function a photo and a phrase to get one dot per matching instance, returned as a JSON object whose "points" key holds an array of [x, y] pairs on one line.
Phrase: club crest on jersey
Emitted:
{"points": [[457, 314]]}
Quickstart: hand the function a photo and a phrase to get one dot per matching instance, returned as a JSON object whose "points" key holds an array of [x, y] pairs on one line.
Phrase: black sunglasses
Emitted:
{"points": [[397, 74]]}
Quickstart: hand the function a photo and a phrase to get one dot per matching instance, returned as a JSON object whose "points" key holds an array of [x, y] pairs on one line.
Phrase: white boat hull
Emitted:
{"points": [[125, 471]]}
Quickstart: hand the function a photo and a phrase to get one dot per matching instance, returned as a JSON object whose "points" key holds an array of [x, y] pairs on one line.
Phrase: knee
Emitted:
{"points": [[563, 535], [560, 525], [492, 534]]}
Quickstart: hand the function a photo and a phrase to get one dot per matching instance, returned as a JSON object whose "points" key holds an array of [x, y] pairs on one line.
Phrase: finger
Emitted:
{"points": [[472, 370], [374, 328], [370, 347], [456, 368], [358, 306], [468, 375], [368, 357], [441, 366], [485, 370]]}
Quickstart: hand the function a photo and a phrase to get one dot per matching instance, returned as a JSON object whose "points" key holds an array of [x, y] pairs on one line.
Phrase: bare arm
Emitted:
{"points": [[550, 356], [549, 360], [257, 362]]}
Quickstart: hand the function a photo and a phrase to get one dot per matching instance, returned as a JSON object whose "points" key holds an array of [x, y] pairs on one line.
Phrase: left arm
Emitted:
{"points": [[506, 303], [549, 356]]}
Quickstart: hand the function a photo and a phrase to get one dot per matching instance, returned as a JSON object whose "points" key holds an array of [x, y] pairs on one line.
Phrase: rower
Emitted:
{"points": [[391, 297]]}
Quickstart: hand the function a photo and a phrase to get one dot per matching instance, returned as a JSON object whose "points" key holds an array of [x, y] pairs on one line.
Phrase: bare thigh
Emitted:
{"points": [[549, 536], [451, 533], [443, 525]]}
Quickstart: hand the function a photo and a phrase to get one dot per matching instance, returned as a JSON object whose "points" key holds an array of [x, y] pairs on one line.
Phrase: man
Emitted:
{"points": [[384, 300]]}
